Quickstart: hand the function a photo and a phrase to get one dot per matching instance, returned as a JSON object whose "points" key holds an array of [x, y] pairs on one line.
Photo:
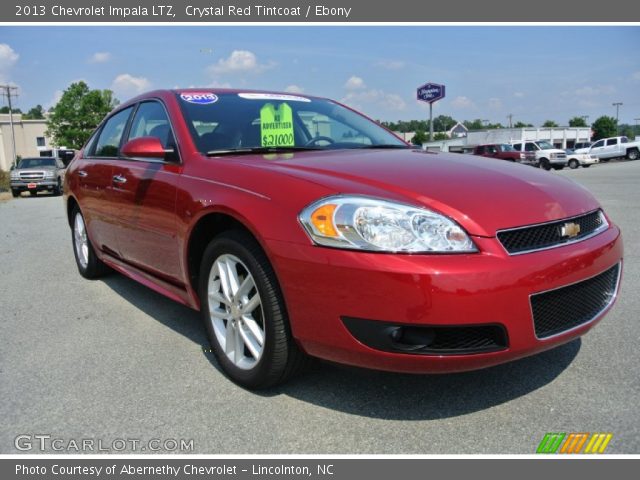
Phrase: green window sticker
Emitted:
{"points": [[276, 125]]}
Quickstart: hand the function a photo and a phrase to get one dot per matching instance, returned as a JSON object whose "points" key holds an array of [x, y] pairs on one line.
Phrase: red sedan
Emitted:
{"points": [[299, 227]]}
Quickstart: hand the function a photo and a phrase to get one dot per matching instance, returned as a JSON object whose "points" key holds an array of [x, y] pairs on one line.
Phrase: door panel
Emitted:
{"points": [[145, 202]]}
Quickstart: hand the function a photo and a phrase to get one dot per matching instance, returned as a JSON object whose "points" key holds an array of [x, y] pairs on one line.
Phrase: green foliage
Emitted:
{"points": [[5, 109], [78, 113], [36, 113], [5, 184], [604, 127], [578, 122], [443, 123], [522, 125], [474, 124], [549, 124], [440, 136], [419, 138]]}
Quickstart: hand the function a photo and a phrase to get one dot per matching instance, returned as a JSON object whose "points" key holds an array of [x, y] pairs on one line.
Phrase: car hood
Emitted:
{"points": [[34, 169], [482, 196]]}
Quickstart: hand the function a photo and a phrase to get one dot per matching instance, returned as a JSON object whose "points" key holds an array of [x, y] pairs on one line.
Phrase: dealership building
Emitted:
{"points": [[30, 139], [560, 137]]}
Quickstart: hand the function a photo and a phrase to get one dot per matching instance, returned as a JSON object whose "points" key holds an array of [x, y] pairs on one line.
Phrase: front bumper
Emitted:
{"points": [[33, 185], [323, 287]]}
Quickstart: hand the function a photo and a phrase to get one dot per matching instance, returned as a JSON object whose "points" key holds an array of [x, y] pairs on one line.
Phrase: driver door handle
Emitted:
{"points": [[119, 179]]}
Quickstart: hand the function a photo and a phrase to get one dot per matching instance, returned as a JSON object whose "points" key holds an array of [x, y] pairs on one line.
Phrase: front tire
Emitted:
{"points": [[15, 193], [89, 265], [57, 190], [545, 164], [244, 313], [573, 164]]}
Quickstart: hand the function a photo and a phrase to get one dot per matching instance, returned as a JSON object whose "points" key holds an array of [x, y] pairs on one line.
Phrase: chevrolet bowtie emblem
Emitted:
{"points": [[570, 230]]}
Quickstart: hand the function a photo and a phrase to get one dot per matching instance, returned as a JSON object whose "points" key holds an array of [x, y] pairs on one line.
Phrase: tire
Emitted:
{"points": [[586, 166], [15, 193], [33, 193], [545, 164], [236, 321], [573, 164], [57, 190], [89, 265], [558, 167], [633, 154]]}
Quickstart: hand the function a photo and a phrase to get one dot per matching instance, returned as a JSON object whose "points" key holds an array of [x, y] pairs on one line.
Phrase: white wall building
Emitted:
{"points": [[30, 138], [561, 137]]}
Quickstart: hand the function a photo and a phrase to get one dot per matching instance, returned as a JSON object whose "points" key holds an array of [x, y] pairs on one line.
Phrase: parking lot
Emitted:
{"points": [[111, 359]]}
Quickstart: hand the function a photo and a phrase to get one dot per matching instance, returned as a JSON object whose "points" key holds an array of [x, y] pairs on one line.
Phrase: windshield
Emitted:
{"points": [[37, 162], [544, 145], [248, 122], [507, 148]]}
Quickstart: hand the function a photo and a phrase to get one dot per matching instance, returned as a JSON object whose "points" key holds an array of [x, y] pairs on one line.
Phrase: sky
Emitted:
{"points": [[535, 73]]}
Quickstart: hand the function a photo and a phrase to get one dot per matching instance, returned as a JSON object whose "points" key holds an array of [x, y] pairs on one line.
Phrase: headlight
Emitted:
{"points": [[15, 175], [49, 174], [363, 223]]}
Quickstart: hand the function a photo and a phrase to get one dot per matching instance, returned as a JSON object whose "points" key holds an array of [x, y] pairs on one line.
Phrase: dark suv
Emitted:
{"points": [[37, 174]]}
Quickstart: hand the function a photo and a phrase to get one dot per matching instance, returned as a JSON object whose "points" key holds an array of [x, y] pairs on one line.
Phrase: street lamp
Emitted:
{"points": [[617, 105]]}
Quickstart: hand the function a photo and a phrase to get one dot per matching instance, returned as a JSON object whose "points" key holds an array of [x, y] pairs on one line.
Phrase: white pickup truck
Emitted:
{"points": [[614, 147]]}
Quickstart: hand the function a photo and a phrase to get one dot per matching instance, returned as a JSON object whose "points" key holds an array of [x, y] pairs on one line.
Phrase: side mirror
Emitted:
{"points": [[145, 147]]}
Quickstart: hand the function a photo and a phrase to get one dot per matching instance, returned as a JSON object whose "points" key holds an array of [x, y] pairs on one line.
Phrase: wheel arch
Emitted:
{"points": [[207, 226]]}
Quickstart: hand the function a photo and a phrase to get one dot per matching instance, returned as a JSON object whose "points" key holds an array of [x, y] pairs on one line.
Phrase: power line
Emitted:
{"points": [[7, 91]]}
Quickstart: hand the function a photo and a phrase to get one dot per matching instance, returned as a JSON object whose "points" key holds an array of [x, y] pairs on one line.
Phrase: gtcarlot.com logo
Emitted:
{"points": [[574, 443], [46, 442]]}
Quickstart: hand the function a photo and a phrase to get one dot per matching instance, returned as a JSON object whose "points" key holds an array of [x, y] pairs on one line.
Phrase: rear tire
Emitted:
{"points": [[89, 265], [573, 164], [15, 193], [33, 193], [244, 313], [633, 154]]}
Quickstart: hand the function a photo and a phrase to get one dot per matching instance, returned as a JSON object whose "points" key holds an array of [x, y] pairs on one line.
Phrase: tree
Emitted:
{"points": [[578, 122], [474, 125], [443, 123], [78, 113], [604, 127], [36, 113], [440, 136], [419, 138], [549, 124], [522, 125], [6, 110]]}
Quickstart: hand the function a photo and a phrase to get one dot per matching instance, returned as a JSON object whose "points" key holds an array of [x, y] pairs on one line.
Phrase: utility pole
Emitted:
{"points": [[510, 117], [617, 105], [8, 92], [585, 118]]}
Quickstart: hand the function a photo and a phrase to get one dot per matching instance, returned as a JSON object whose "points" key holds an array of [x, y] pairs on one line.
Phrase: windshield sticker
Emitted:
{"points": [[276, 125], [273, 96], [200, 98]]}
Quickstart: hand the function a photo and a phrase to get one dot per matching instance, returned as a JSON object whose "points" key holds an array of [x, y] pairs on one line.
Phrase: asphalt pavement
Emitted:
{"points": [[112, 361]]}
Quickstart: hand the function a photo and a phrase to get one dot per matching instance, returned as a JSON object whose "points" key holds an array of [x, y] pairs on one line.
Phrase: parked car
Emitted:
{"points": [[37, 174], [504, 151], [547, 155], [615, 147], [299, 227], [575, 160]]}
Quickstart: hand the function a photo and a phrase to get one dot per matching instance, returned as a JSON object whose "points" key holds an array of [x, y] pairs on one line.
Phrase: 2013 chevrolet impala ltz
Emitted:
{"points": [[299, 227]]}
